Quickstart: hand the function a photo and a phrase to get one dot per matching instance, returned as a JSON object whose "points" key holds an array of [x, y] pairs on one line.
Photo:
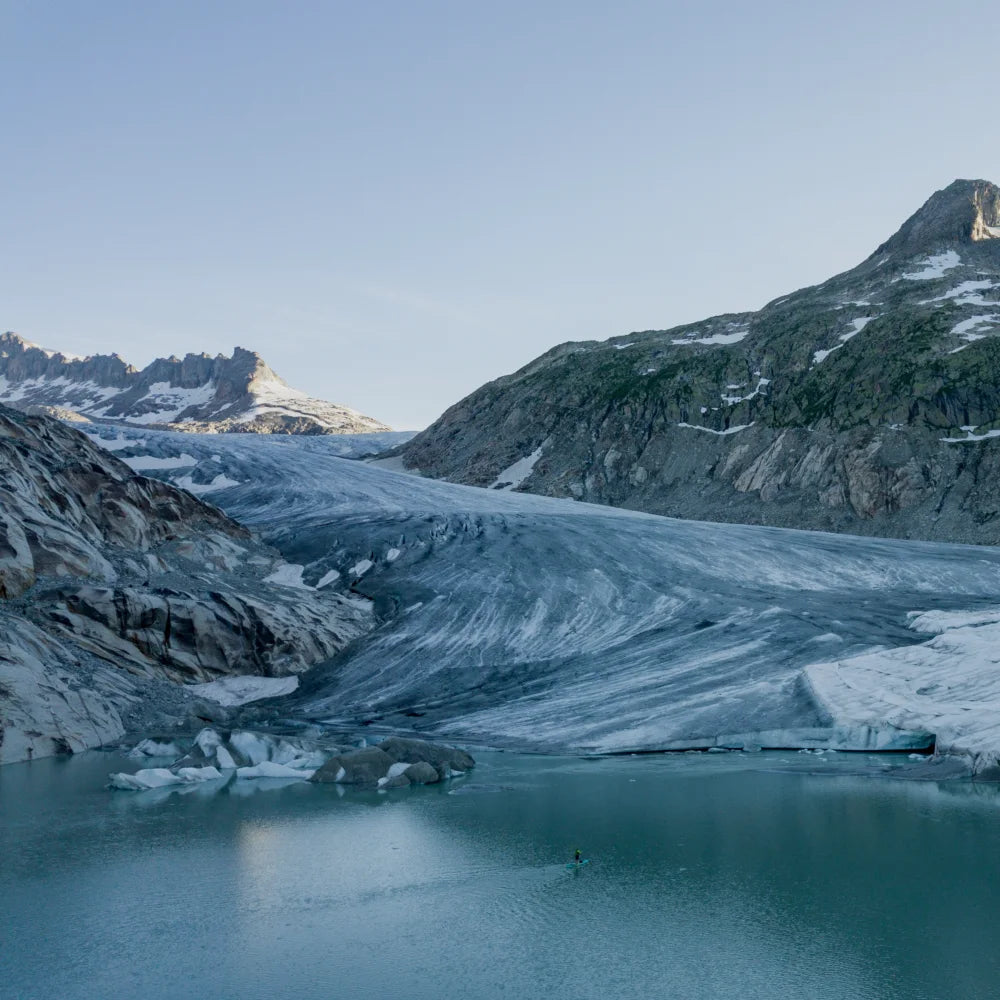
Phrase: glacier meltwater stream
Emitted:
{"points": [[775, 875]]}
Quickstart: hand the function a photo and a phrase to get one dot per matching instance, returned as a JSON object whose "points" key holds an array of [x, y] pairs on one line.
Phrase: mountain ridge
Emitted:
{"points": [[198, 393], [864, 404], [116, 590]]}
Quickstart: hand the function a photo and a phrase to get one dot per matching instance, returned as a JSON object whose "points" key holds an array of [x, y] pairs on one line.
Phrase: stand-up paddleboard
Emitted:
{"points": [[578, 864]]}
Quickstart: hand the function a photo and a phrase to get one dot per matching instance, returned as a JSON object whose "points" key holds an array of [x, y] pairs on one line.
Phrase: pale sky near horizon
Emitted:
{"points": [[396, 202]]}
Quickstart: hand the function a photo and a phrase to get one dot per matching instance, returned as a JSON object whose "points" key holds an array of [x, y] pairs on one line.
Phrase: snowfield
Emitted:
{"points": [[528, 621]]}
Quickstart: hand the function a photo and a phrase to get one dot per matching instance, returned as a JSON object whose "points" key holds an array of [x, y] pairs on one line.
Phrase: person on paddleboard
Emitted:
{"points": [[577, 858]]}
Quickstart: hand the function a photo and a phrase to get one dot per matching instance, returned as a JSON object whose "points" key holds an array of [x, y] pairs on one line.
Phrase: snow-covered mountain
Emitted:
{"points": [[868, 404], [534, 621], [193, 393]]}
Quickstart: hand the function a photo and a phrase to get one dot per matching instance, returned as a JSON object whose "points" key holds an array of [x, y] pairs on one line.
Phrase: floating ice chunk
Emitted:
{"points": [[242, 690], [360, 568], [269, 769], [225, 759], [155, 748], [934, 266], [151, 777], [258, 748], [254, 747], [208, 741], [392, 555], [159, 777], [327, 578]]}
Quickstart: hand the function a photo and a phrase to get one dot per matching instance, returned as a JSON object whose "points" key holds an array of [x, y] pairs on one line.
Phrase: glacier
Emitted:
{"points": [[534, 622]]}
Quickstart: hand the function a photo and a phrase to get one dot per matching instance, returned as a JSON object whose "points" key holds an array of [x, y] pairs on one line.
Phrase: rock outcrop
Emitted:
{"points": [[111, 582], [193, 393], [869, 404], [395, 763]]}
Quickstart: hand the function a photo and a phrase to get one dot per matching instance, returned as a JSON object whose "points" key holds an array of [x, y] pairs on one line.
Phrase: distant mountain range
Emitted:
{"points": [[868, 404], [193, 393]]}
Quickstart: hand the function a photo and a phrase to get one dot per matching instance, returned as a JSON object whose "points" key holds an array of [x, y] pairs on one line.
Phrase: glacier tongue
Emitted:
{"points": [[531, 621], [949, 684]]}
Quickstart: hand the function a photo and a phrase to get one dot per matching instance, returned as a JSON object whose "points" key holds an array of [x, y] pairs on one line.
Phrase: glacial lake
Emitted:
{"points": [[776, 875]]}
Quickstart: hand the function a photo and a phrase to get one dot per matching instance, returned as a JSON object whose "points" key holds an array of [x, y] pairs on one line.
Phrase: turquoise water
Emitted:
{"points": [[730, 876]]}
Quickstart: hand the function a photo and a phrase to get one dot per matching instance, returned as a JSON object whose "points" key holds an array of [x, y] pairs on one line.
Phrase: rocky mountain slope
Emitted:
{"points": [[868, 404], [528, 621], [193, 393], [114, 587]]}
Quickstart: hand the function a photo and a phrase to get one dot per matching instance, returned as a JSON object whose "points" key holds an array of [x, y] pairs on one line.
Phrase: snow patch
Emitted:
{"points": [[733, 337], [220, 482], [934, 266], [115, 443], [168, 402], [965, 294], [143, 462], [857, 326], [728, 430], [733, 400], [512, 477], [288, 575], [969, 436], [232, 691]]}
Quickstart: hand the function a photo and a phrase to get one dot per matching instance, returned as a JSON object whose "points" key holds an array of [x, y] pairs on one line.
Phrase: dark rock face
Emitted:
{"points": [[443, 759], [360, 767], [421, 773], [395, 763], [196, 392], [103, 570], [868, 404]]}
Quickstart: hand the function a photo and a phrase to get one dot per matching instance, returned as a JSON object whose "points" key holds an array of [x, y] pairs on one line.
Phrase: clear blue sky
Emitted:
{"points": [[395, 202]]}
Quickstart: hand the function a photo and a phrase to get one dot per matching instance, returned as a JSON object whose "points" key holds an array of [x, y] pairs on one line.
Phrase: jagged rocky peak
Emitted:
{"points": [[964, 212], [195, 393]]}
